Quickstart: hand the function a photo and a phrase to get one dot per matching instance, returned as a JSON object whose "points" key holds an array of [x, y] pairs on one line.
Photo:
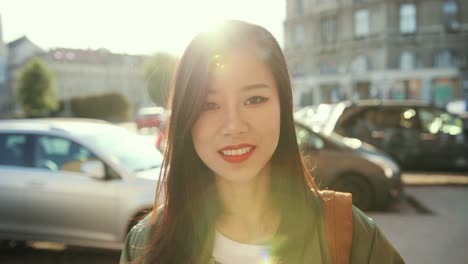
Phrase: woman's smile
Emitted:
{"points": [[237, 153]]}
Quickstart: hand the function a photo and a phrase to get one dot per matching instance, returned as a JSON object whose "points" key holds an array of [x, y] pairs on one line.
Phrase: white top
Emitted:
{"points": [[227, 251]]}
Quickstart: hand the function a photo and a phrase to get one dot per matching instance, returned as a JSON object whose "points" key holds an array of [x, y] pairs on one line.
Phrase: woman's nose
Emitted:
{"points": [[234, 123]]}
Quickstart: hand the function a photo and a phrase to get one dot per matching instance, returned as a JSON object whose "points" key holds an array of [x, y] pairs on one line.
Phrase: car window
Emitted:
{"points": [[60, 154], [12, 149], [360, 125], [396, 117], [434, 121], [307, 138], [316, 115], [134, 152]]}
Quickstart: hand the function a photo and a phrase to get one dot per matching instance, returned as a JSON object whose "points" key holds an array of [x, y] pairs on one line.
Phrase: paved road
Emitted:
{"points": [[433, 231], [51, 256]]}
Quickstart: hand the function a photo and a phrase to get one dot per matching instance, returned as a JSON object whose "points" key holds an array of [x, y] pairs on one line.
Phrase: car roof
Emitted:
{"points": [[385, 102], [57, 125]]}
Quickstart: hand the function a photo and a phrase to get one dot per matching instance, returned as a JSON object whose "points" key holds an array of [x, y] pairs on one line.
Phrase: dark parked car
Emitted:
{"points": [[347, 164], [417, 135], [459, 108]]}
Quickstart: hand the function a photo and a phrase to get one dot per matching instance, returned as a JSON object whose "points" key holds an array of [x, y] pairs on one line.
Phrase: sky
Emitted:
{"points": [[130, 26]]}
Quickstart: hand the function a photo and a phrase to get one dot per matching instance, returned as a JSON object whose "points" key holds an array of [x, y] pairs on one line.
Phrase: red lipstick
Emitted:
{"points": [[236, 158]]}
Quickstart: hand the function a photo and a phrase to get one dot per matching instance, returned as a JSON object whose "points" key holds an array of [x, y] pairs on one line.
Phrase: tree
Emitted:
{"points": [[158, 72], [36, 91]]}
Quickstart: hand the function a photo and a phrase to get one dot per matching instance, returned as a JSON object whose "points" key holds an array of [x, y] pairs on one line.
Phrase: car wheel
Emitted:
{"points": [[360, 189], [4, 244], [13, 244]]}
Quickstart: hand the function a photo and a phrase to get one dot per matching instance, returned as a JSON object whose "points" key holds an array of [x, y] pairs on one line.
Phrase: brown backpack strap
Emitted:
{"points": [[338, 224]]}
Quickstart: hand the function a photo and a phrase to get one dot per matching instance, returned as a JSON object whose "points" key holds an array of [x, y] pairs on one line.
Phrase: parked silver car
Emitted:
{"points": [[74, 181]]}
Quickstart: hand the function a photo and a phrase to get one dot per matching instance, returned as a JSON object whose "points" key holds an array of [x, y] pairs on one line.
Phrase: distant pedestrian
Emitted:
{"points": [[235, 186]]}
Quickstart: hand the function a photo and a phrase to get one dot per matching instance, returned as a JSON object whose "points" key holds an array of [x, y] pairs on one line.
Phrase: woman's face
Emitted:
{"points": [[238, 129]]}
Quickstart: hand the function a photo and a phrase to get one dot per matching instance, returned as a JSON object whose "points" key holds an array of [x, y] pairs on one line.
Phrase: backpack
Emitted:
{"points": [[338, 224]]}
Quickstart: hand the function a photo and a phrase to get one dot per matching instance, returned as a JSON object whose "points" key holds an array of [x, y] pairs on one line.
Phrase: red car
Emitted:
{"points": [[161, 140], [149, 117]]}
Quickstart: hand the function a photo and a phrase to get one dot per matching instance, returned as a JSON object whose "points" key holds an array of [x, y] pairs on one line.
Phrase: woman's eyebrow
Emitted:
{"points": [[255, 86]]}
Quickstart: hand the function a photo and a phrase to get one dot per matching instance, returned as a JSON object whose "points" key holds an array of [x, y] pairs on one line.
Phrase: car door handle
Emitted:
{"points": [[427, 137]]}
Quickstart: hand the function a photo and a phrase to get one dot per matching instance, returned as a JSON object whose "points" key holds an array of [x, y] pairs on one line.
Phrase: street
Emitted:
{"points": [[48, 255], [429, 226], [433, 230]]}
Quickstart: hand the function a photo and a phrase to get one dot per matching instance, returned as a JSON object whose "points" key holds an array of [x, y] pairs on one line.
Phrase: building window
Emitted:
{"points": [[407, 60], [361, 23], [444, 59], [407, 18], [328, 30], [307, 98], [443, 91], [3, 72], [299, 35], [451, 15], [297, 69], [58, 55], [299, 7], [360, 65], [328, 66]]}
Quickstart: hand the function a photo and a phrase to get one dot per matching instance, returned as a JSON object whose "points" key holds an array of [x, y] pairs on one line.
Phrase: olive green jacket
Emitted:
{"points": [[368, 246]]}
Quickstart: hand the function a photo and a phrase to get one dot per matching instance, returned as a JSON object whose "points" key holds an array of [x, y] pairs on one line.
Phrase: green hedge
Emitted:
{"points": [[113, 107]]}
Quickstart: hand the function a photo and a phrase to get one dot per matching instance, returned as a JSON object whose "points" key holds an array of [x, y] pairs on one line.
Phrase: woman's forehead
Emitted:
{"points": [[219, 57], [238, 66]]}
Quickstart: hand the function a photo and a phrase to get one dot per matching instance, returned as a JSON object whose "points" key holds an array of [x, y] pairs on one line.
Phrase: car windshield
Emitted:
{"points": [[133, 151], [315, 116]]}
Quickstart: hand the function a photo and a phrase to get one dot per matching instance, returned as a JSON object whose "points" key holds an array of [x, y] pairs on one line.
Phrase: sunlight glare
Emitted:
{"points": [[140, 26]]}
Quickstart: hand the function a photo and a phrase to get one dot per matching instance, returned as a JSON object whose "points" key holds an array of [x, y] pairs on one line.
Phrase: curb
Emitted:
{"points": [[414, 179], [418, 206]]}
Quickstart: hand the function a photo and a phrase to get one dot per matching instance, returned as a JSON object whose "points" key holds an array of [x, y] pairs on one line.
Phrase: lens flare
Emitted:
{"points": [[266, 257], [217, 62]]}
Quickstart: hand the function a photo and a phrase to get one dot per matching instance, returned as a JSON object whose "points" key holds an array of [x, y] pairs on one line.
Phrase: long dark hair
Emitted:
{"points": [[183, 231]]}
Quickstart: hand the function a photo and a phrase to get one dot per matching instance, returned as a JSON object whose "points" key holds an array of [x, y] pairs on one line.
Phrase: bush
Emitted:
{"points": [[112, 107]]}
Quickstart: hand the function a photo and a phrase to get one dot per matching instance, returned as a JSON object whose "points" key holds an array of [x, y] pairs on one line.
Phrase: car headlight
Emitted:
{"points": [[389, 167]]}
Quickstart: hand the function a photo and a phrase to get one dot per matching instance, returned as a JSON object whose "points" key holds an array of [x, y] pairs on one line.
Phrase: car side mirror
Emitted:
{"points": [[94, 168]]}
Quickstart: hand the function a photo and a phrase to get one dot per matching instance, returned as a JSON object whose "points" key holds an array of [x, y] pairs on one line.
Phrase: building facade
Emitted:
{"points": [[89, 72], [80, 72], [358, 49]]}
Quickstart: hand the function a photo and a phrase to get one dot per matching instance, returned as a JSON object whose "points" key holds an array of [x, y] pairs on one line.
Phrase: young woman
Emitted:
{"points": [[234, 185]]}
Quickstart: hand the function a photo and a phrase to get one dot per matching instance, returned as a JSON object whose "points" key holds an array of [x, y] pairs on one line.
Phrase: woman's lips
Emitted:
{"points": [[236, 154]]}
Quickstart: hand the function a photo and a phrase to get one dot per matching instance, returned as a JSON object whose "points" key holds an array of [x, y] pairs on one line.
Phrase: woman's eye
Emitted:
{"points": [[209, 106], [256, 100]]}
